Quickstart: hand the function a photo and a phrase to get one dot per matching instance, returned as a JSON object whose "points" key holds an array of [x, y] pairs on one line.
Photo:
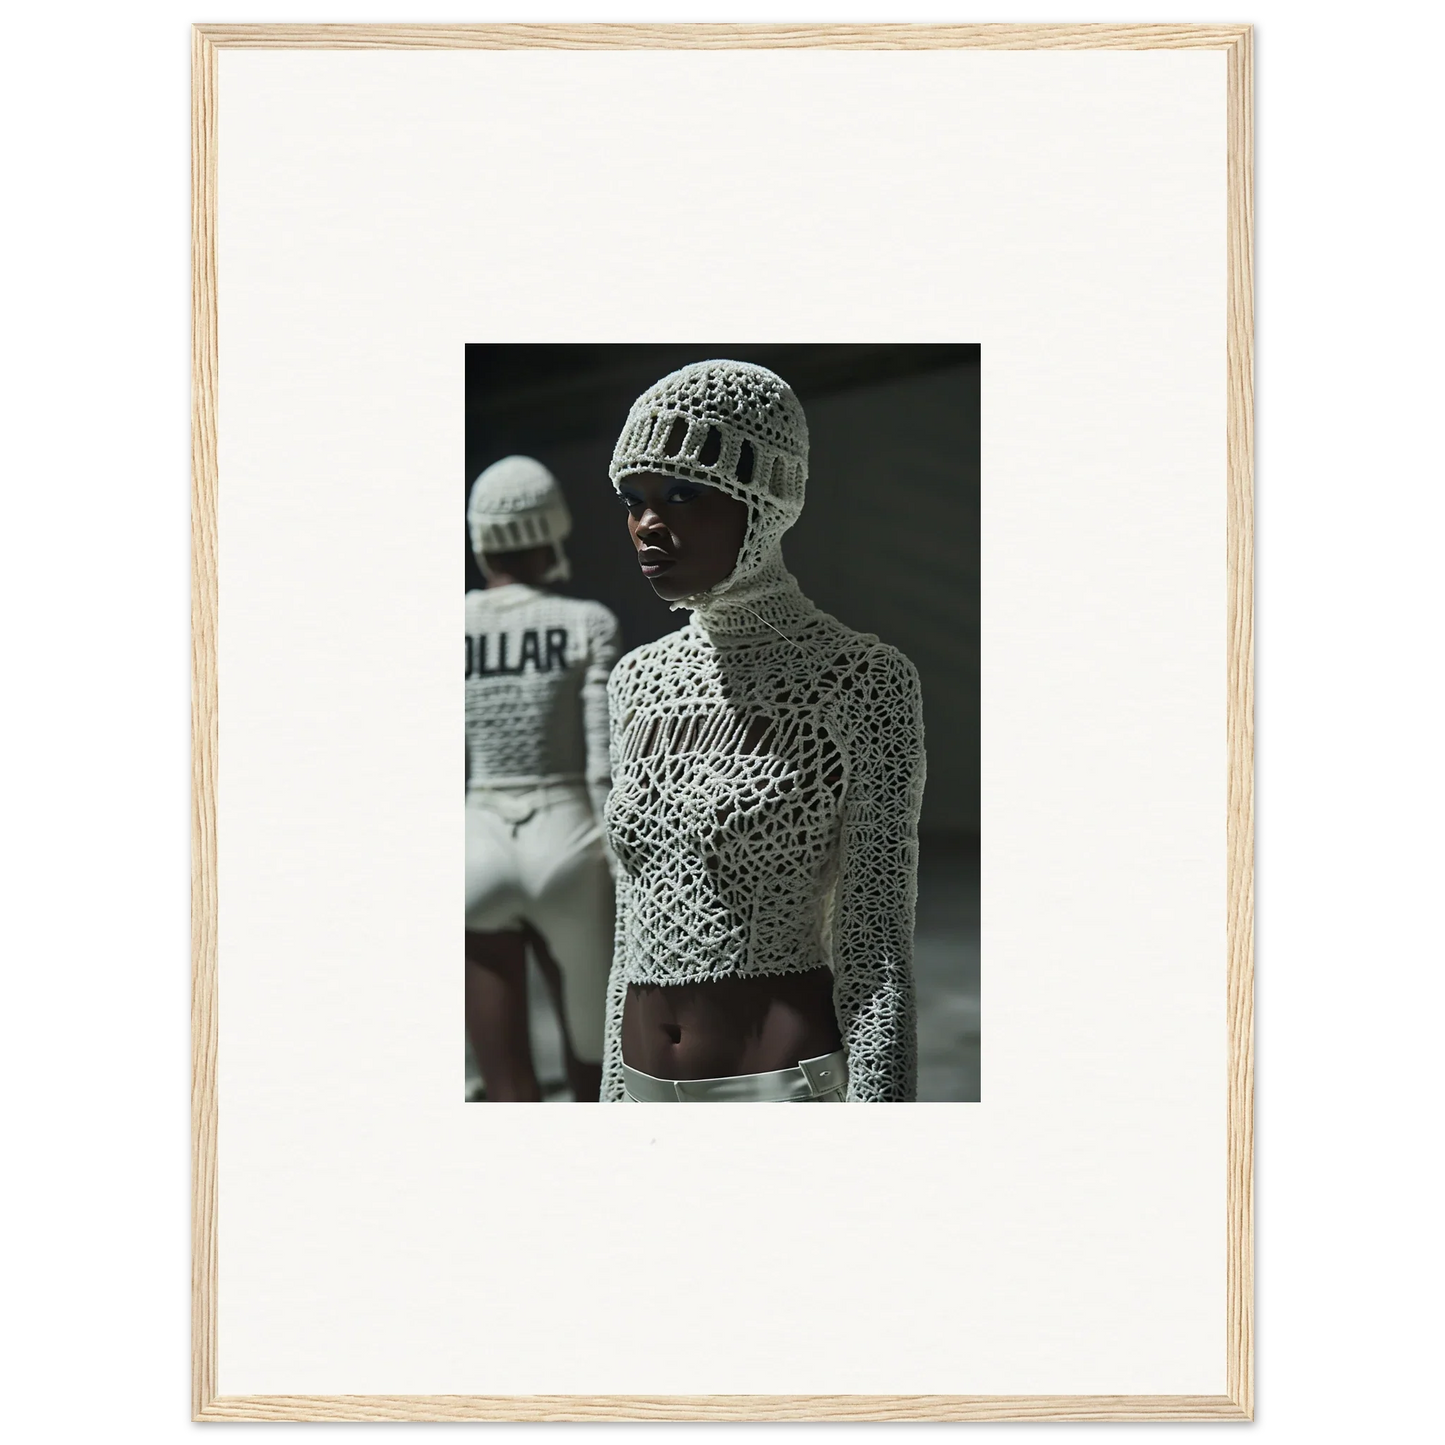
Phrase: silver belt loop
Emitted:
{"points": [[826, 1074]]}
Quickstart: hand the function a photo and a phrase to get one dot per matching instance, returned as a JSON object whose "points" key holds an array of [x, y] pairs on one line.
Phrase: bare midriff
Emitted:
{"points": [[728, 1026]]}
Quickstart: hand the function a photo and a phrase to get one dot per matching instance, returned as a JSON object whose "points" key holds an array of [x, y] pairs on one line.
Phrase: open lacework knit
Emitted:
{"points": [[767, 761]]}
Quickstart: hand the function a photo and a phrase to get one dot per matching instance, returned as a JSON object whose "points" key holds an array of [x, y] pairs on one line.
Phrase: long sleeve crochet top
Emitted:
{"points": [[536, 689], [768, 769]]}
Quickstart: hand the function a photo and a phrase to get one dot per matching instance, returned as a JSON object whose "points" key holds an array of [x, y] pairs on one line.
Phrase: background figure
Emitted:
{"points": [[537, 877], [550, 1061]]}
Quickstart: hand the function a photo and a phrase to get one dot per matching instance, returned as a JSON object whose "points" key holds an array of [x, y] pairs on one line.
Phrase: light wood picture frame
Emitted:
{"points": [[1237, 1402]]}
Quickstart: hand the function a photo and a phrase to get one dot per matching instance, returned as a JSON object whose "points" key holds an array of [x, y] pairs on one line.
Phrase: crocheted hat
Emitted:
{"points": [[515, 504], [729, 425]]}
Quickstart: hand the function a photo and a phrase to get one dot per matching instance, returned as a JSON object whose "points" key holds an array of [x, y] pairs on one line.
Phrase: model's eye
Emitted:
{"points": [[628, 499], [686, 492]]}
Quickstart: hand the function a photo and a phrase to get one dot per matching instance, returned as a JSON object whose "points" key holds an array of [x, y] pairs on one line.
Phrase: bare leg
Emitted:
{"points": [[497, 1016], [585, 1079]]}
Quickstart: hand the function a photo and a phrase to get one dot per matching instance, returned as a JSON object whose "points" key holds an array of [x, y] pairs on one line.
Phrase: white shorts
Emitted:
{"points": [[823, 1080], [535, 856]]}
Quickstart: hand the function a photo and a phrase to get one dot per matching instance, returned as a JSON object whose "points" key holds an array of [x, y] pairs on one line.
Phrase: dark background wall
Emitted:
{"points": [[888, 541]]}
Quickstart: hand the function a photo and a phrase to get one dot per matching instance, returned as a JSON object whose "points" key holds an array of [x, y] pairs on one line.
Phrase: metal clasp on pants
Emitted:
{"points": [[825, 1075]]}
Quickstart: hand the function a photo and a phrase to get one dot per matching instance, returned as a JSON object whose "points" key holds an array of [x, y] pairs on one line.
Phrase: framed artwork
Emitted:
{"points": [[1009, 272]]}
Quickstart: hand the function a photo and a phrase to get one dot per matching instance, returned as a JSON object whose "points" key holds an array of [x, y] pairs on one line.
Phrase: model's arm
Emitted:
{"points": [[877, 886], [603, 642], [612, 1087]]}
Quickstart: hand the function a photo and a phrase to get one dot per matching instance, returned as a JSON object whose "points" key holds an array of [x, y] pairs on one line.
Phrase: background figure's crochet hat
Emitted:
{"points": [[729, 425], [516, 504]]}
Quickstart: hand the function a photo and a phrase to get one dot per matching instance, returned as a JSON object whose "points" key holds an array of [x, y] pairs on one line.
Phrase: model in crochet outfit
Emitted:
{"points": [[537, 777], [767, 767]]}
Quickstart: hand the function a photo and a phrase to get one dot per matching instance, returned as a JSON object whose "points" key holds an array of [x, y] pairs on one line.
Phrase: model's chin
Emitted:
{"points": [[668, 588], [672, 585]]}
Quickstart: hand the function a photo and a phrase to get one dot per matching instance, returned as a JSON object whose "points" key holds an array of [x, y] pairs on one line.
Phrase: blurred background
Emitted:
{"points": [[888, 543]]}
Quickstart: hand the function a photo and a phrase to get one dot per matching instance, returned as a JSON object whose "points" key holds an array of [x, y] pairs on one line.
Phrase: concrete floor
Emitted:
{"points": [[946, 966]]}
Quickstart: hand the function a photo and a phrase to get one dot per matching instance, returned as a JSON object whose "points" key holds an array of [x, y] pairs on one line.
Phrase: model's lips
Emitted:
{"points": [[654, 561]]}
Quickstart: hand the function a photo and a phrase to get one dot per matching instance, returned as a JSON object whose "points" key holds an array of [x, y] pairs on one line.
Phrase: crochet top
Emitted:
{"points": [[767, 761], [537, 667], [767, 770]]}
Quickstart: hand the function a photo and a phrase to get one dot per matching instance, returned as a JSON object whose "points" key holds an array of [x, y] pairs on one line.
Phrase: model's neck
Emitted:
{"points": [[766, 602]]}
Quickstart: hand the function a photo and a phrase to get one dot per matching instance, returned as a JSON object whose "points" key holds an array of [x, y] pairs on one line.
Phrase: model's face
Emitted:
{"points": [[687, 535]]}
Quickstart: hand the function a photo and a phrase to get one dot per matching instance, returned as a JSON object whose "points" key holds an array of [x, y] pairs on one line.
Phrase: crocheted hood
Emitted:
{"points": [[516, 504], [739, 428]]}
